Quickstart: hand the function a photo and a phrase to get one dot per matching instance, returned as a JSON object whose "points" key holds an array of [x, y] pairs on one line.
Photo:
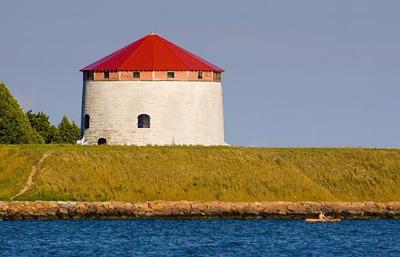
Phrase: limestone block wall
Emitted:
{"points": [[181, 112]]}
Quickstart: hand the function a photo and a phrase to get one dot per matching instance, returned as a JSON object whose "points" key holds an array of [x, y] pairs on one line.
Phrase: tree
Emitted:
{"points": [[14, 124], [68, 133], [40, 122]]}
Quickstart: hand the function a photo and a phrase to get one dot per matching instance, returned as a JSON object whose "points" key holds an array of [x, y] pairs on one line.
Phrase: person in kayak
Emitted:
{"points": [[322, 216]]}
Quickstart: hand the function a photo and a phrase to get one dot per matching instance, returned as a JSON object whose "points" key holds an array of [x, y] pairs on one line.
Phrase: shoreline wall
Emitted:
{"points": [[27, 210]]}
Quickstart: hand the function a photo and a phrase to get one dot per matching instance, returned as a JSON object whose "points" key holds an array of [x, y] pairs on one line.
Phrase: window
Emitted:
{"points": [[200, 75], [217, 76], [87, 121], [106, 75], [170, 74], [89, 75], [136, 74], [102, 141], [143, 121]]}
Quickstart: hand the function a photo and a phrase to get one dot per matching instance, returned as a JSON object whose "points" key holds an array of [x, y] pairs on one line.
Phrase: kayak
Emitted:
{"points": [[323, 220]]}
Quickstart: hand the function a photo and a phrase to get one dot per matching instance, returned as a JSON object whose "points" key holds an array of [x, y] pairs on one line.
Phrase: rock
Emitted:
{"points": [[62, 211], [161, 208], [273, 209], [141, 209], [244, 209], [181, 208], [3, 209]]}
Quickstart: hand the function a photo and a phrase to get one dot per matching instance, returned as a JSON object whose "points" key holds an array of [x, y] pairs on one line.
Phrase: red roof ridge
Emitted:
{"points": [[137, 48], [199, 58], [112, 54], [169, 49]]}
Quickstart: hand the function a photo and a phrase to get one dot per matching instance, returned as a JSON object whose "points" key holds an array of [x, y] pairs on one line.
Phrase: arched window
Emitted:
{"points": [[87, 121], [102, 141], [143, 121]]}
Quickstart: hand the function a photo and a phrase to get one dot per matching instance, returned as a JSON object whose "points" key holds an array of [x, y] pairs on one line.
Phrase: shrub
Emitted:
{"points": [[40, 122], [68, 133], [14, 124]]}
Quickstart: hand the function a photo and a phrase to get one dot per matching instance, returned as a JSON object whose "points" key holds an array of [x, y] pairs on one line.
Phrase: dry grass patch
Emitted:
{"points": [[92, 173]]}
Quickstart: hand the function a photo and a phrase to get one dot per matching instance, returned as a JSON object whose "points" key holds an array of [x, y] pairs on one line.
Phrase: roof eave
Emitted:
{"points": [[87, 69]]}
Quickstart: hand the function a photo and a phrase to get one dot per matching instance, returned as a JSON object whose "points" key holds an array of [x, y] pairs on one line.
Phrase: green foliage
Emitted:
{"points": [[41, 123], [14, 125], [129, 173], [68, 133]]}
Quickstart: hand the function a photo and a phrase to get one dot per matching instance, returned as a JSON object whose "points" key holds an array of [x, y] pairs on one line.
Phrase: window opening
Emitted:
{"points": [[143, 121]]}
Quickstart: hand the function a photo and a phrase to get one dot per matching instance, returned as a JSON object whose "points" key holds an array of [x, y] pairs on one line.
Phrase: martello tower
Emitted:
{"points": [[152, 92]]}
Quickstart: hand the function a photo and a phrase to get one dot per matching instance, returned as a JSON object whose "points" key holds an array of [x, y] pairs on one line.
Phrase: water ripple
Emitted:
{"points": [[199, 238]]}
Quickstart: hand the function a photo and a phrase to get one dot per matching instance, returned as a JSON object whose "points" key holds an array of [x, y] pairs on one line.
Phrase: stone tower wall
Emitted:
{"points": [[181, 112]]}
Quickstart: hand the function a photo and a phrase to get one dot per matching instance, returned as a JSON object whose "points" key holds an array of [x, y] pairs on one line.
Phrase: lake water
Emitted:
{"points": [[199, 238]]}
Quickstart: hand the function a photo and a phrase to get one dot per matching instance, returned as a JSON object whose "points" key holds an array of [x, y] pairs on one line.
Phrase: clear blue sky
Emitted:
{"points": [[298, 73]]}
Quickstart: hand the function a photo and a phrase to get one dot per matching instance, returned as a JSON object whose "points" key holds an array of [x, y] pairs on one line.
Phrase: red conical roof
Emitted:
{"points": [[152, 52]]}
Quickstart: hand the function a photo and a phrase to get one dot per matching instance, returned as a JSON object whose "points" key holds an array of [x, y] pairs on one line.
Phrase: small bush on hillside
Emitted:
{"points": [[68, 133]]}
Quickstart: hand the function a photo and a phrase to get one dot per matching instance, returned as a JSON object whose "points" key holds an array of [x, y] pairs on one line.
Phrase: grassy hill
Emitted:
{"points": [[93, 173]]}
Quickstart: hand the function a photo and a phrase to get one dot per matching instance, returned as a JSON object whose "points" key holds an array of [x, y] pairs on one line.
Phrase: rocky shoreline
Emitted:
{"points": [[27, 210]]}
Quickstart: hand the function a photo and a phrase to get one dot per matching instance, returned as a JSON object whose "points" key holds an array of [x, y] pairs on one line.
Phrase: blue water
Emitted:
{"points": [[199, 238]]}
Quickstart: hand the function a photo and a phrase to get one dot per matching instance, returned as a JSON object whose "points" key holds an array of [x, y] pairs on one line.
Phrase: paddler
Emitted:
{"points": [[322, 216]]}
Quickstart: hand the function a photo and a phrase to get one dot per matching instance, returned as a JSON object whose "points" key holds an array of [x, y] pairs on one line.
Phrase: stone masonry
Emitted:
{"points": [[181, 112]]}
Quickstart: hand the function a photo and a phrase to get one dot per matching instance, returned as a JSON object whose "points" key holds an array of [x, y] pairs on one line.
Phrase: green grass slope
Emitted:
{"points": [[93, 173]]}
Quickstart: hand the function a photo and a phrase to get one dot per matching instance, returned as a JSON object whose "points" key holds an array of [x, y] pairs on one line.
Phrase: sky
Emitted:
{"points": [[307, 73]]}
